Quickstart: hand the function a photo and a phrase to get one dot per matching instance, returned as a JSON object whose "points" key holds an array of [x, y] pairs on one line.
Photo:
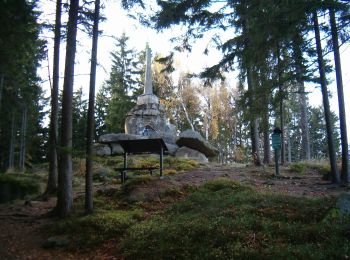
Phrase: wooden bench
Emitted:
{"points": [[123, 171]]}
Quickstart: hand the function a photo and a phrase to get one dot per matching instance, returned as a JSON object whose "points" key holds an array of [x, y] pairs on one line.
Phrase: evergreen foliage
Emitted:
{"points": [[124, 83], [21, 98]]}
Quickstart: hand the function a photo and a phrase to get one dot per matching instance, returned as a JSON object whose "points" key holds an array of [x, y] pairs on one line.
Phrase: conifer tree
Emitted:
{"points": [[124, 83]]}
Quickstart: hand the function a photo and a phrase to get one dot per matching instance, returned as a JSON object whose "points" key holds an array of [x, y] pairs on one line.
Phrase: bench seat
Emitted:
{"points": [[123, 170]]}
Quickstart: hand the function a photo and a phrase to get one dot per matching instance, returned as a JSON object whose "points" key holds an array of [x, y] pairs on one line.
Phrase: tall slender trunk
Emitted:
{"points": [[53, 135], [254, 134], [12, 144], [91, 113], [22, 152], [1, 86], [321, 67], [186, 113], [289, 145], [65, 171], [266, 133], [281, 97], [305, 136], [345, 173]]}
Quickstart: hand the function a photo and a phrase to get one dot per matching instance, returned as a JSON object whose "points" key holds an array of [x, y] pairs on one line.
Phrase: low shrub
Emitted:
{"points": [[226, 220], [17, 186], [91, 230]]}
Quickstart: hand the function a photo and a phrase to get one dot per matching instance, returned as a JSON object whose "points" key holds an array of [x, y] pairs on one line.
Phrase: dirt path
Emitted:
{"points": [[21, 226]]}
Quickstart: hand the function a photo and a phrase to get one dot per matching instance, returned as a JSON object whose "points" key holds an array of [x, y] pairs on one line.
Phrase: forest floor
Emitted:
{"points": [[22, 224]]}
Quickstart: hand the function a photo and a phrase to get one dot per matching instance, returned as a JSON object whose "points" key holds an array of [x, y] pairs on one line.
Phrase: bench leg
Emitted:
{"points": [[122, 176]]}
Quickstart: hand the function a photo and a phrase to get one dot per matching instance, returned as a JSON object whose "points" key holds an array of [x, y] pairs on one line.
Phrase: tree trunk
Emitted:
{"points": [[254, 134], [12, 144], [22, 152], [289, 144], [91, 113], [266, 133], [345, 174], [65, 171], [1, 86], [281, 97], [51, 187], [321, 67], [305, 136]]}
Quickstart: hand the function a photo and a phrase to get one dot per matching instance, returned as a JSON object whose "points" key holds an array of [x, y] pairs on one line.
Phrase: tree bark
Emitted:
{"points": [[289, 145], [1, 86], [305, 136], [281, 97], [266, 133], [321, 67], [254, 134], [91, 113], [12, 144], [51, 187], [345, 174], [65, 171], [22, 152]]}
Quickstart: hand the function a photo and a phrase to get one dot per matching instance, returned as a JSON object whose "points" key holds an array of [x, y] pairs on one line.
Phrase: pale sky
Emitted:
{"points": [[117, 22]]}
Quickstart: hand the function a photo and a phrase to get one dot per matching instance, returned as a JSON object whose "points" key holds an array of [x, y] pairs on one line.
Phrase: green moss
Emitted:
{"points": [[320, 167], [225, 220], [14, 186], [92, 230], [131, 184], [298, 168]]}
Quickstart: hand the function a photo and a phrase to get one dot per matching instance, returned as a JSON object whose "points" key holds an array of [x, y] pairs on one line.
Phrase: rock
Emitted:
{"points": [[100, 174], [194, 140], [116, 149], [172, 148], [343, 203], [114, 138], [189, 153], [101, 150]]}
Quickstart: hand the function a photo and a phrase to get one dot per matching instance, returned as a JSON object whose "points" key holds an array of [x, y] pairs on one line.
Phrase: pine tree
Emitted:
{"points": [[124, 84], [20, 54]]}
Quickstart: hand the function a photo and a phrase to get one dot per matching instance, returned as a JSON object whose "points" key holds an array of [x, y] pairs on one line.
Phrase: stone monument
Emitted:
{"points": [[148, 116], [148, 120]]}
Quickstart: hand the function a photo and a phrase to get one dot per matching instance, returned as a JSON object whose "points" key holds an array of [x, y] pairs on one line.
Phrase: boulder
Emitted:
{"points": [[116, 149], [114, 138], [101, 149], [195, 141], [343, 203], [189, 153], [172, 148]]}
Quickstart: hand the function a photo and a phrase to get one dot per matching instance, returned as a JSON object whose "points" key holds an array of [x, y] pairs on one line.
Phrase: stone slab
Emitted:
{"points": [[194, 140]]}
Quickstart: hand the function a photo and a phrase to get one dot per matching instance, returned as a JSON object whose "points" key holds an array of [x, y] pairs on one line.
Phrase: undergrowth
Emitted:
{"points": [[17, 186], [87, 231], [225, 220], [304, 167]]}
